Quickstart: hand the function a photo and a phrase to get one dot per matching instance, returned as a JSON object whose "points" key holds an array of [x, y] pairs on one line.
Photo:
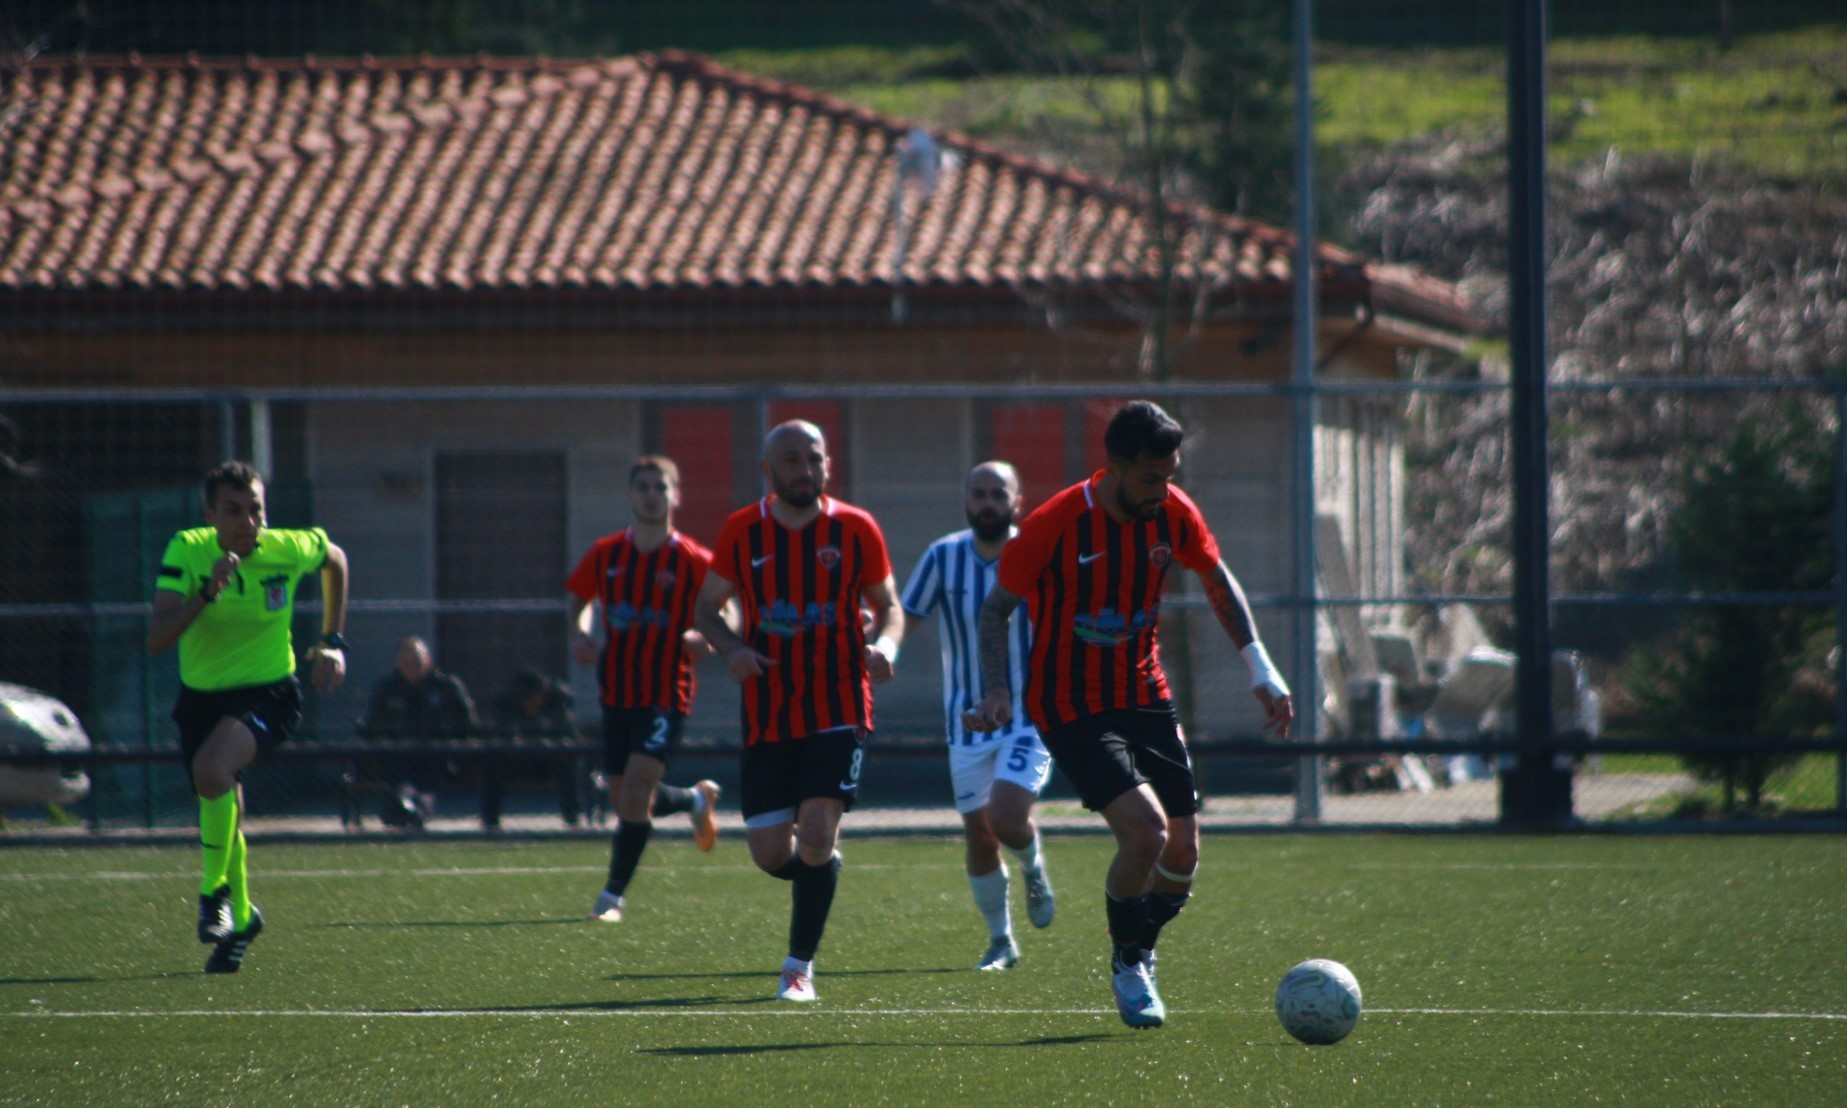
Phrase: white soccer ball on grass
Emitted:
{"points": [[1318, 1001]]}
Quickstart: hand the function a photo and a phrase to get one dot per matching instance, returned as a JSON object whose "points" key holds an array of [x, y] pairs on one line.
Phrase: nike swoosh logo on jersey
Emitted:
{"points": [[758, 563], [849, 786], [1086, 559]]}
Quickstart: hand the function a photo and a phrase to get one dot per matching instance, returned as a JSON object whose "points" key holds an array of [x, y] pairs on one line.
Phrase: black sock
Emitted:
{"points": [[810, 902], [625, 848], [1128, 923], [671, 800], [1162, 908], [790, 870]]}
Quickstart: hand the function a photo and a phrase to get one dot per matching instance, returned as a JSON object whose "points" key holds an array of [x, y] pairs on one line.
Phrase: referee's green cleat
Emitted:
{"points": [[228, 957]]}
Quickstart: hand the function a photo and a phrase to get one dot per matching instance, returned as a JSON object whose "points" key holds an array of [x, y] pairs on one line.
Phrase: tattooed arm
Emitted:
{"points": [[996, 707], [1228, 603]]}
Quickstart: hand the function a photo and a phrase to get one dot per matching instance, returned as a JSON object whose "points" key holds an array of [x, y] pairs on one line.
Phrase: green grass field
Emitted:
{"points": [[1566, 970]]}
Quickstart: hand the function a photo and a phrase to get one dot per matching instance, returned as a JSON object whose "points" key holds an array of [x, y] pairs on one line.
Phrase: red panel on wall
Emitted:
{"points": [[1032, 437], [830, 417], [1097, 413], [698, 439]]}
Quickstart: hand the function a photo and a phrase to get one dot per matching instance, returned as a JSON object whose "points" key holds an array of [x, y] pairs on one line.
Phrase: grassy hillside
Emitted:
{"points": [[1774, 104]]}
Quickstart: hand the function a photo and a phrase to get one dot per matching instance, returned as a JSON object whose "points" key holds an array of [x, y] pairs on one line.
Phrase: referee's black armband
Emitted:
{"points": [[171, 571]]}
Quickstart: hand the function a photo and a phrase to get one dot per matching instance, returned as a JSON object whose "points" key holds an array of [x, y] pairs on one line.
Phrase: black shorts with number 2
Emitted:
{"points": [[651, 731], [1108, 754]]}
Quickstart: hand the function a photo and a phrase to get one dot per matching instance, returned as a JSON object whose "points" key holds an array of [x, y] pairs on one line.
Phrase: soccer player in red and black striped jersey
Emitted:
{"points": [[644, 580], [801, 565], [1091, 564]]}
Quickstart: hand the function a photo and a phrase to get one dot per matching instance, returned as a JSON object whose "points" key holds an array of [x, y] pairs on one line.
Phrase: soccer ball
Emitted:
{"points": [[1318, 1001]]}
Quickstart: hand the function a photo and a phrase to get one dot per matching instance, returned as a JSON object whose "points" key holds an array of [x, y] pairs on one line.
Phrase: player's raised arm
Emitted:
{"points": [[745, 663], [995, 710], [887, 632], [1233, 610]]}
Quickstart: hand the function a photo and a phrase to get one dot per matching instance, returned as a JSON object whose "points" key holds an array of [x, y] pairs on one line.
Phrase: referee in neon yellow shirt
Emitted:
{"points": [[226, 595]]}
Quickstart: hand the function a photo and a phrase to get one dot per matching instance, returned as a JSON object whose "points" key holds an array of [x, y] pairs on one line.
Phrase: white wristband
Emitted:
{"points": [[1263, 671], [888, 648]]}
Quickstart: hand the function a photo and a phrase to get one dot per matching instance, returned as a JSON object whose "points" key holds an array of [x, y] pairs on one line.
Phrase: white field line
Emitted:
{"points": [[708, 1013], [439, 871], [517, 871]]}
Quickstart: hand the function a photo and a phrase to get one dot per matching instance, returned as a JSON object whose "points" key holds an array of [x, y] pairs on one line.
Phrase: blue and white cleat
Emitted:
{"points": [[1136, 999], [1001, 955], [1040, 904], [608, 907]]}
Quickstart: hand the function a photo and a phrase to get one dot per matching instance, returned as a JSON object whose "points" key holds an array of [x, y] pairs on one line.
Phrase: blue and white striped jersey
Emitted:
{"points": [[953, 576]]}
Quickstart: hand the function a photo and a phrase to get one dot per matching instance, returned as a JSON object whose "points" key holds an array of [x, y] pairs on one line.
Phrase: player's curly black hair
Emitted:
{"points": [[1141, 429]]}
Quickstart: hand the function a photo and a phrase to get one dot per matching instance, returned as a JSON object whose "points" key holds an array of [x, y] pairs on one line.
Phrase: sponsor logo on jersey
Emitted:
{"points": [[785, 620], [625, 616], [1110, 627]]}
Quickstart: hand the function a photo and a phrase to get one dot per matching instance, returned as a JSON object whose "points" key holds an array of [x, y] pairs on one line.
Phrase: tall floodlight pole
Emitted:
{"points": [[1535, 791], [1302, 451]]}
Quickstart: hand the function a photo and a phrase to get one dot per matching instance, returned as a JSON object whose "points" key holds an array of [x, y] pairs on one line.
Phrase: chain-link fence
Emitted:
{"points": [[462, 510], [442, 277]]}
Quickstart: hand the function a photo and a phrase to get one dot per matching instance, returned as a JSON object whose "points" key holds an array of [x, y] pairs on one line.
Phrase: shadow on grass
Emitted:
{"points": [[363, 924], [611, 1005], [91, 980], [773, 972], [704, 1050]]}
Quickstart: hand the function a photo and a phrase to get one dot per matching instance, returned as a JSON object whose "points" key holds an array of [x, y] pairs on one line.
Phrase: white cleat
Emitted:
{"points": [[1041, 905], [1137, 1000], [608, 908], [1001, 955], [797, 986]]}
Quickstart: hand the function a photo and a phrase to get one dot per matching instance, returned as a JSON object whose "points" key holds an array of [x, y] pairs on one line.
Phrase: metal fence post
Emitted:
{"points": [[1308, 785], [1840, 595]]}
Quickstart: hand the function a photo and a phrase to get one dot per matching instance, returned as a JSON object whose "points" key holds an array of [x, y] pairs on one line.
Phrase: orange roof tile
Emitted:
{"points": [[651, 173]]}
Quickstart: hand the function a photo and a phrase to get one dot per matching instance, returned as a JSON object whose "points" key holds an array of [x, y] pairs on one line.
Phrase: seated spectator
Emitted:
{"points": [[416, 702], [533, 707]]}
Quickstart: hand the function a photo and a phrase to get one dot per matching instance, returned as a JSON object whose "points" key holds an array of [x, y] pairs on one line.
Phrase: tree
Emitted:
{"points": [[1754, 519], [1189, 94]]}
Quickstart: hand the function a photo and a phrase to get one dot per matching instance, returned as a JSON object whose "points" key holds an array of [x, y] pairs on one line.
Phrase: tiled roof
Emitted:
{"points": [[650, 173]]}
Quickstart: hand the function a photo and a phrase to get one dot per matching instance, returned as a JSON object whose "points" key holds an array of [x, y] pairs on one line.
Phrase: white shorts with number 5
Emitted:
{"points": [[973, 769]]}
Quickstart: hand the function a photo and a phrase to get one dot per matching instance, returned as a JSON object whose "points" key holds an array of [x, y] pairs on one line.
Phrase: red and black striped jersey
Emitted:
{"points": [[799, 592], [1092, 588], [647, 601]]}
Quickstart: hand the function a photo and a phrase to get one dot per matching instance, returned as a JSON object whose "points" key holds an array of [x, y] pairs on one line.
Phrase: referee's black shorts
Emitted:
{"points": [[271, 712], [1108, 754]]}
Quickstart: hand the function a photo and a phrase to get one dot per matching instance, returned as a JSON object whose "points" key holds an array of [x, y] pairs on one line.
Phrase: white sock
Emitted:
{"points": [[990, 891], [799, 966], [1028, 856]]}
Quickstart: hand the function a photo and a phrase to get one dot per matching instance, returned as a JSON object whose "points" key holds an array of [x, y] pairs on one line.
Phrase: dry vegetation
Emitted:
{"points": [[1658, 268]]}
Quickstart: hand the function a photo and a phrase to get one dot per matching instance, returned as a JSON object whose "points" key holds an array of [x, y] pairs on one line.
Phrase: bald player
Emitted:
{"points": [[996, 775], [800, 565]]}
